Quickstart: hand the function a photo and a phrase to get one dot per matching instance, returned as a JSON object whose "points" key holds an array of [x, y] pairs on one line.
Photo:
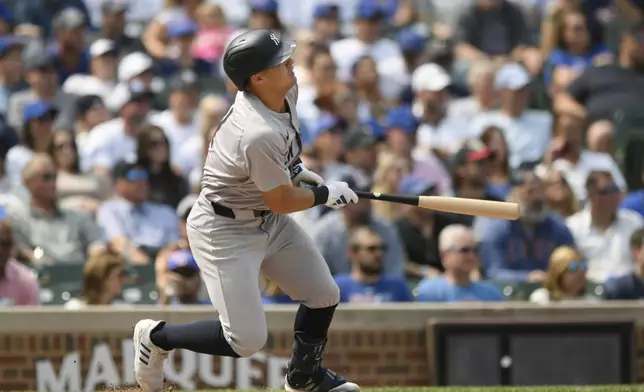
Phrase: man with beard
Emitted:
{"points": [[331, 234], [116, 140], [68, 50], [600, 92], [366, 282], [519, 251]]}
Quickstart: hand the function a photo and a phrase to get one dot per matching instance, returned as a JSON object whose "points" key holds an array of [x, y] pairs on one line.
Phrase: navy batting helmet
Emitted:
{"points": [[252, 52]]}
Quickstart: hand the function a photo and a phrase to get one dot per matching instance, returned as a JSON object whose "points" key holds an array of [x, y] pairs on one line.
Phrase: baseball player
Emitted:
{"points": [[239, 228]]}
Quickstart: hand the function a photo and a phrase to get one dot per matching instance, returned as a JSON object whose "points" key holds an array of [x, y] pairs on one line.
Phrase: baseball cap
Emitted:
{"points": [[129, 171], [114, 6], [69, 18], [326, 10], [511, 76], [37, 61], [37, 110], [414, 185], [358, 139], [410, 41], [472, 151], [182, 259], [6, 14], [430, 77], [88, 102], [9, 42], [181, 28], [402, 118], [186, 80], [134, 64], [185, 205], [268, 6], [125, 93], [369, 10], [102, 47]]}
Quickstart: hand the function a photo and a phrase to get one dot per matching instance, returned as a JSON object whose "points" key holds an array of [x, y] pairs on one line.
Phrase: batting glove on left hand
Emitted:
{"points": [[302, 174]]}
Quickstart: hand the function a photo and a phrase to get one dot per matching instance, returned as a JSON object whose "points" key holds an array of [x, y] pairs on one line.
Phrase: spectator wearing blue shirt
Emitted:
{"points": [[459, 254], [10, 69], [634, 201], [629, 286], [134, 227], [69, 52], [518, 251], [181, 35], [366, 282], [575, 51], [182, 283]]}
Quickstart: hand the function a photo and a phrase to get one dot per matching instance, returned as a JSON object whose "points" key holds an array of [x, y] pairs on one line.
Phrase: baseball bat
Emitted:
{"points": [[456, 205]]}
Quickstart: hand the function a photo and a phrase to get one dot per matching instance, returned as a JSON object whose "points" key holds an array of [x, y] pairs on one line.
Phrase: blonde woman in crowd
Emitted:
{"points": [[103, 276], [391, 169], [559, 195], [565, 280]]}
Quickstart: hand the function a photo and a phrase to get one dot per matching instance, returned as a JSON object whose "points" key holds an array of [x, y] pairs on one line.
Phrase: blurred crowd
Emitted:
{"points": [[107, 108]]}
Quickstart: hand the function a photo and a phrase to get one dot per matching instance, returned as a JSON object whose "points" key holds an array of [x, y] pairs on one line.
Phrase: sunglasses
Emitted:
{"points": [[50, 176], [186, 272], [466, 249], [371, 248], [578, 266], [609, 190]]}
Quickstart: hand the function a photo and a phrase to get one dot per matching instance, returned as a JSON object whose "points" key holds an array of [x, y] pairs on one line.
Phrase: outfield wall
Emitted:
{"points": [[55, 349]]}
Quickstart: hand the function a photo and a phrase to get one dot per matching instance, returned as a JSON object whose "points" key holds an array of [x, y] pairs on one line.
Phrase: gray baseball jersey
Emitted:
{"points": [[252, 152]]}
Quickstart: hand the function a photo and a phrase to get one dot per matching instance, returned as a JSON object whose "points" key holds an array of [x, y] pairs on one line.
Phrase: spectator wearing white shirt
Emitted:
{"points": [[368, 41], [103, 71], [602, 230], [527, 131], [180, 120], [483, 99], [90, 112], [115, 140], [439, 133], [567, 155]]}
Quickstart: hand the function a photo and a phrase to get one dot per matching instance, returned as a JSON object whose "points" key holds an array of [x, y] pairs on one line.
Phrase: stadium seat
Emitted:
{"points": [[514, 291], [59, 283]]}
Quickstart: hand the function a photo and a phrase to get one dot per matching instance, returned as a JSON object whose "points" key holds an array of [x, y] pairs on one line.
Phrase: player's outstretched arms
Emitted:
{"points": [[286, 199]]}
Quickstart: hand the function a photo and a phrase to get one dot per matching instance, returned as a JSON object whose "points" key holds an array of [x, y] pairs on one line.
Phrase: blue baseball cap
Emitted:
{"points": [[401, 118], [414, 185], [268, 6], [36, 110], [181, 28], [129, 171], [410, 41], [6, 14], [182, 259], [9, 42], [370, 10], [326, 10]]}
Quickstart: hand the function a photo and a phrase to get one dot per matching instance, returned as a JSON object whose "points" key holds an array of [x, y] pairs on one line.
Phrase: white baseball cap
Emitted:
{"points": [[134, 64], [430, 77], [512, 76], [101, 46]]}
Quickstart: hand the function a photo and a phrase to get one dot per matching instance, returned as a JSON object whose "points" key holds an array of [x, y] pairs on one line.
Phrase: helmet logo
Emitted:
{"points": [[275, 39]]}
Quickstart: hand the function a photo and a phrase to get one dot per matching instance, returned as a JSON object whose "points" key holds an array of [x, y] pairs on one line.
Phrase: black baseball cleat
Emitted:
{"points": [[324, 381]]}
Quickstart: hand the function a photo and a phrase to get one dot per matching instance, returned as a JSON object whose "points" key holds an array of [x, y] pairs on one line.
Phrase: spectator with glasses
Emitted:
{"points": [[367, 282], [459, 255], [602, 230], [629, 286], [566, 279], [559, 195], [18, 284], [103, 277]]}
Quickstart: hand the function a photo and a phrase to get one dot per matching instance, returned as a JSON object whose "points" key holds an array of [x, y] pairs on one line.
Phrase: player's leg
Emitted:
{"points": [[229, 256], [298, 268]]}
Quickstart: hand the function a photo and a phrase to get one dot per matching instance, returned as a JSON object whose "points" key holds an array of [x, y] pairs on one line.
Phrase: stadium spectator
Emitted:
{"points": [[116, 139], [82, 192], [518, 251], [180, 38], [499, 175], [68, 50], [481, 83], [48, 234], [629, 286], [360, 157], [103, 277], [390, 171], [599, 137], [412, 44], [34, 18], [38, 118], [602, 230], [18, 284], [212, 34], [7, 20], [11, 70], [101, 79], [559, 195], [420, 229], [367, 282], [155, 34], [567, 154], [326, 23], [112, 26], [527, 131], [180, 121], [182, 281], [331, 235], [599, 92], [459, 283], [136, 66], [90, 112], [371, 103], [574, 51], [154, 155], [566, 279], [136, 228]]}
